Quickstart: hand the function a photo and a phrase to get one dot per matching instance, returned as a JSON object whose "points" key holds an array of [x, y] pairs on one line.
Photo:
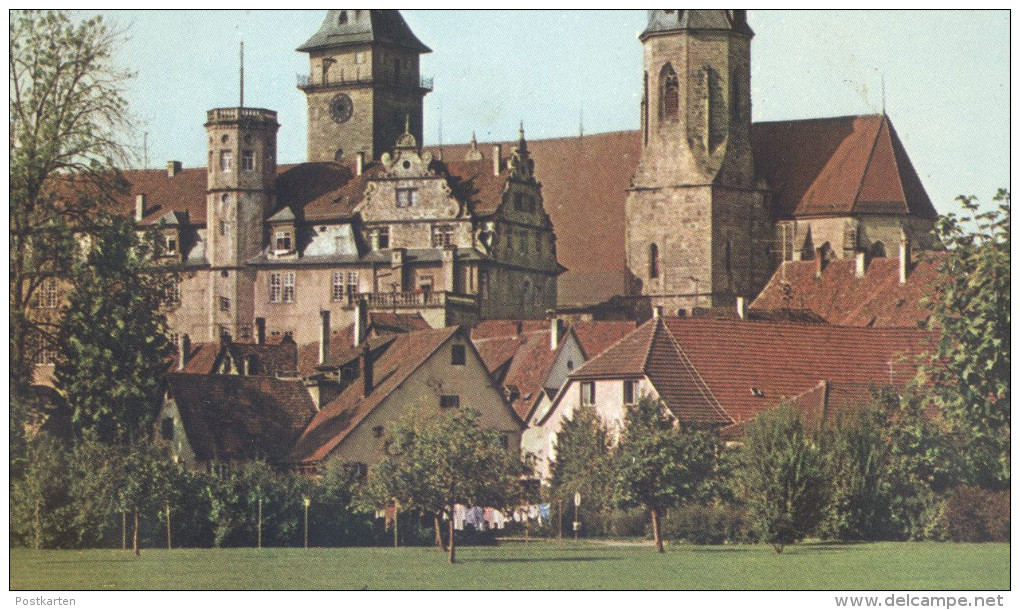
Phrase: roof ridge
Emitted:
{"points": [[706, 391]]}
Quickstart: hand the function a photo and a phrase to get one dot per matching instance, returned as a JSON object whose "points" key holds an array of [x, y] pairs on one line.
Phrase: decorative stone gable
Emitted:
{"points": [[405, 161], [522, 166]]}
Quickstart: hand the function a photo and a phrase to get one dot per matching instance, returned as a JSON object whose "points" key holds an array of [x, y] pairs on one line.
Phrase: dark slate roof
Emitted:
{"points": [[840, 297], [273, 360], [240, 418], [661, 21], [363, 27]]}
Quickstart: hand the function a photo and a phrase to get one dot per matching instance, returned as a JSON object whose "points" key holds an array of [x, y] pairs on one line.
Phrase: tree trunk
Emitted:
{"points": [[123, 530], [453, 550], [168, 539], [655, 531], [38, 524], [134, 538], [439, 531]]}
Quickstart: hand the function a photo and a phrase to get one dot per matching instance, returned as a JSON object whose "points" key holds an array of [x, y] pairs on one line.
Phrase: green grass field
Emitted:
{"points": [[518, 565]]}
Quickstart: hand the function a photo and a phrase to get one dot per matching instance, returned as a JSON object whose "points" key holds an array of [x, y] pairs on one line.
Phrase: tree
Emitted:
{"points": [[143, 482], [67, 121], [433, 463], [40, 498], [969, 367], [256, 506], [113, 341], [785, 478], [584, 462], [661, 464]]}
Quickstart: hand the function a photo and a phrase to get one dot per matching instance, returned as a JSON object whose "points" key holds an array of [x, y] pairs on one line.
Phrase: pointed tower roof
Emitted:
{"points": [[343, 28], [661, 21]]}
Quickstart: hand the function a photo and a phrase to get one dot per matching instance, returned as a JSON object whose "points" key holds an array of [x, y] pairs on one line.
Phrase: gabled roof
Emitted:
{"points": [[342, 28], [751, 366], [201, 358], [597, 336], [240, 418], [838, 167], [840, 297], [386, 322], [396, 362], [820, 405], [529, 369], [271, 359]]}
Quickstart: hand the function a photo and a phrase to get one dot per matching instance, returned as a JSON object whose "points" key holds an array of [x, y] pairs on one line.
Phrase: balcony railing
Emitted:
{"points": [[416, 299], [233, 114], [306, 81]]}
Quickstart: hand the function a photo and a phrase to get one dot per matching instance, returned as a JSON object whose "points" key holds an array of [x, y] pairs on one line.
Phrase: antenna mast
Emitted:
{"points": [[242, 74]]}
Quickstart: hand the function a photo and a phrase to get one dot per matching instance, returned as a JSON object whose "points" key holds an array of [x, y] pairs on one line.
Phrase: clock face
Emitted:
{"points": [[341, 107]]}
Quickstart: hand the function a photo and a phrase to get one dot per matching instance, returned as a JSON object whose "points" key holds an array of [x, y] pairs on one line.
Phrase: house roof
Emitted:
{"points": [[387, 322], [597, 336], [240, 417], [746, 367], [529, 369], [840, 297], [201, 358], [396, 362], [272, 359]]}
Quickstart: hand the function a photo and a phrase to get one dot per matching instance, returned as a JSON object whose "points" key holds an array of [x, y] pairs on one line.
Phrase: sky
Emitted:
{"points": [[945, 73]]}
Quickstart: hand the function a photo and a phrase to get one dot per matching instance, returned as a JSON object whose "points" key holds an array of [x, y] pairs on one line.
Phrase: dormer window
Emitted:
{"points": [[283, 241], [407, 197]]}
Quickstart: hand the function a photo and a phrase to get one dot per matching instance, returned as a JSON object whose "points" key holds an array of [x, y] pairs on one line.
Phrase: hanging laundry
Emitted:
{"points": [[487, 516], [459, 515], [499, 519], [543, 511]]}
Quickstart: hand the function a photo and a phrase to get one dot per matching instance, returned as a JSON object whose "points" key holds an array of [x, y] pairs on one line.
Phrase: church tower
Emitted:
{"points": [[239, 194], [364, 82], [697, 224]]}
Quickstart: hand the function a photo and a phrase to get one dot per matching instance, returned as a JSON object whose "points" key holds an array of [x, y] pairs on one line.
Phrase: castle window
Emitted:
{"points": [[224, 228], [288, 287], [45, 355], [247, 161], [171, 245], [224, 304], [46, 294], [449, 401], [383, 236], [442, 235], [628, 392], [653, 261], [588, 393], [352, 282], [283, 241], [338, 286], [343, 18], [173, 292], [407, 197], [226, 160], [458, 355], [877, 250], [669, 93], [377, 431], [281, 287]]}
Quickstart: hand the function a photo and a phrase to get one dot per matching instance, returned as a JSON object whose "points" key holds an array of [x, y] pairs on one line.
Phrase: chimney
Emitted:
{"points": [[555, 333], [741, 308], [819, 262], [183, 351], [360, 321], [859, 264], [324, 336], [260, 331], [497, 159], [449, 255], [139, 207], [904, 259], [657, 311], [360, 166], [173, 168], [366, 368]]}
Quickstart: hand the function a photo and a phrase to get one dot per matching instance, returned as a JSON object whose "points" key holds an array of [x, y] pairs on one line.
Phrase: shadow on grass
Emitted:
{"points": [[537, 559], [719, 550]]}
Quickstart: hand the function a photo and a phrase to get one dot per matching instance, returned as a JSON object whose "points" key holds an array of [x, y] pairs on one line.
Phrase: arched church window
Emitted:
{"points": [[877, 250], [653, 261], [343, 17], [669, 93]]}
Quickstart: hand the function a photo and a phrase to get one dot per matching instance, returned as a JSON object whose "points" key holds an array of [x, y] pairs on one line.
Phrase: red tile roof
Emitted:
{"points": [[529, 369], [840, 297], [496, 353], [597, 336], [487, 329], [238, 417], [273, 360], [782, 360], [382, 321], [747, 367], [201, 358], [391, 367]]}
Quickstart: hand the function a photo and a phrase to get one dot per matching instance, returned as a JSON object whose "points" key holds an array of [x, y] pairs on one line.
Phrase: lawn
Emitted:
{"points": [[518, 565]]}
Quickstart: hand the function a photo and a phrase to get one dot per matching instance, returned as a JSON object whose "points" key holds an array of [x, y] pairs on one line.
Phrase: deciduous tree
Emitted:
{"points": [[584, 461], [659, 464]]}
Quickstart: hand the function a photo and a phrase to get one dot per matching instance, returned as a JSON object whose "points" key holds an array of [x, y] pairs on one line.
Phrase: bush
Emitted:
{"points": [[700, 524], [978, 515]]}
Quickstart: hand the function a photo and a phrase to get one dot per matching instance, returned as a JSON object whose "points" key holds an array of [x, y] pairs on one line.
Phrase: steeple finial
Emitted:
{"points": [[407, 123], [473, 154], [522, 144]]}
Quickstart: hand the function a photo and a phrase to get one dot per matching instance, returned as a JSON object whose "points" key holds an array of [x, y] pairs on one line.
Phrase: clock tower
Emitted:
{"points": [[363, 85]]}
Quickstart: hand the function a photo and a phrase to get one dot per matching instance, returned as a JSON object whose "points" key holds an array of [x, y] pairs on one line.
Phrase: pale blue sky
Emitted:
{"points": [[946, 76]]}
